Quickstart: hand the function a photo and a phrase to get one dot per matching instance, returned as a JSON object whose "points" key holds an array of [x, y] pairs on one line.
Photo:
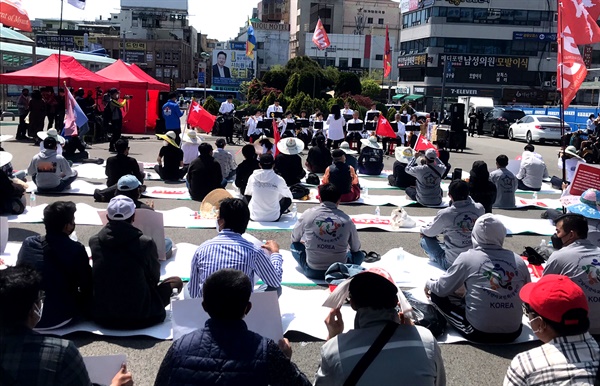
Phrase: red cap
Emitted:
{"points": [[552, 296]]}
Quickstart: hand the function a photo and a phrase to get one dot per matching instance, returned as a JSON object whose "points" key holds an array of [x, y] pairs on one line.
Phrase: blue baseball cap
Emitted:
{"points": [[128, 182]]}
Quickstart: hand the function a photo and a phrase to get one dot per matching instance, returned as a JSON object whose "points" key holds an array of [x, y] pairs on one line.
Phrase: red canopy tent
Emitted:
{"points": [[46, 73], [142, 88]]}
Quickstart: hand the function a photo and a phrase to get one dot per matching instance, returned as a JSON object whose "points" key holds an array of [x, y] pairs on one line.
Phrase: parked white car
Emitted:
{"points": [[537, 128]]}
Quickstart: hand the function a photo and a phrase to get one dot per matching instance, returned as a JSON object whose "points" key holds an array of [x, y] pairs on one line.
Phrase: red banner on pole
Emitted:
{"points": [[13, 14]]}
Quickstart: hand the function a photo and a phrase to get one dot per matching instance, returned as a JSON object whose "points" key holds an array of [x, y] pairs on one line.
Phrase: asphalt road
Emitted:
{"points": [[465, 364]]}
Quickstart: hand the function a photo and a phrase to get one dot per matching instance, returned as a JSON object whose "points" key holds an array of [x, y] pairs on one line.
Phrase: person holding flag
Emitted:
{"points": [[428, 171]]}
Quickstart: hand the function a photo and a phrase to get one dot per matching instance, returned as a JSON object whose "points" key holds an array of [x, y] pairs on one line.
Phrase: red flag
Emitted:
{"points": [[423, 144], [384, 129], [320, 37], [13, 14], [580, 17], [571, 71], [276, 136], [199, 117], [387, 56]]}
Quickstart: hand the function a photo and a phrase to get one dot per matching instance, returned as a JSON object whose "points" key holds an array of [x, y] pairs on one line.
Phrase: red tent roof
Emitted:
{"points": [[143, 75], [128, 77], [46, 74]]}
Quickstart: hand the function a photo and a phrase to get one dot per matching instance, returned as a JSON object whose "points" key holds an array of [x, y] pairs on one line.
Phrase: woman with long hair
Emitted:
{"points": [[335, 123], [481, 189]]}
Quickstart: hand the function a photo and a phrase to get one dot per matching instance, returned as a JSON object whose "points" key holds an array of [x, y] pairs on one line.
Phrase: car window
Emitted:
{"points": [[526, 120], [513, 115], [548, 119]]}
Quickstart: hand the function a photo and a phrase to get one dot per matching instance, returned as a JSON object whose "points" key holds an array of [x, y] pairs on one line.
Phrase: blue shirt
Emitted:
{"points": [[231, 250], [171, 113]]}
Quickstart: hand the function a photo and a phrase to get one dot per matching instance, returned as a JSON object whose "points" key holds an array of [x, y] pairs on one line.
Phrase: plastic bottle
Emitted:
{"points": [[174, 298], [377, 211], [32, 199], [400, 255], [543, 243], [295, 211], [535, 195]]}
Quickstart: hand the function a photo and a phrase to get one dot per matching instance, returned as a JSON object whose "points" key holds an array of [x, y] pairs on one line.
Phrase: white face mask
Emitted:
{"points": [[165, 143]]}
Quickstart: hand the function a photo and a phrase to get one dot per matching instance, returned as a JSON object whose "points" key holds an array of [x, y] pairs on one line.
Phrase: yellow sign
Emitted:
{"points": [[133, 46]]}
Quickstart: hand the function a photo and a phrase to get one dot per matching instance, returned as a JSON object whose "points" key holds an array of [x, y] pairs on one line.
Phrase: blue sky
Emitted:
{"points": [[219, 19]]}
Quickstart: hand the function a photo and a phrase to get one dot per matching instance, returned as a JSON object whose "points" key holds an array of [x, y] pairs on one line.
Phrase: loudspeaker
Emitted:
{"points": [[163, 97], [457, 116]]}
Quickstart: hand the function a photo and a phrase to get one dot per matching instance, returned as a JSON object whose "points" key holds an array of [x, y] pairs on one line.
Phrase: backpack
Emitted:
{"points": [[299, 191]]}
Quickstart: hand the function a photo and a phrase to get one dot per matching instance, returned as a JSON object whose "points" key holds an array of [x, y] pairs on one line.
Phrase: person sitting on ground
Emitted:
{"points": [[268, 194], [319, 156], [325, 235], [506, 184], [230, 250], [557, 310], [533, 170], [51, 172], [428, 172], [246, 168], [370, 161], [343, 177], [400, 178], [12, 190], [414, 351], [350, 155], [490, 311], [481, 189], [577, 257], [288, 163], [571, 159], [75, 152], [225, 351], [29, 358], [60, 140], [63, 264], [189, 146], [126, 273], [204, 174], [264, 145], [170, 159], [117, 166], [455, 223], [225, 159]]}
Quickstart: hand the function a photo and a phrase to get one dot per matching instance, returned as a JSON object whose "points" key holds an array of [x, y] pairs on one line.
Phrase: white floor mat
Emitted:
{"points": [[77, 187]]}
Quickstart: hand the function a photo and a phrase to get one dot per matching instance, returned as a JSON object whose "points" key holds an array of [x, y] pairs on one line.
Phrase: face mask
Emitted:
{"points": [[217, 225], [38, 312], [557, 242], [165, 143], [539, 329]]}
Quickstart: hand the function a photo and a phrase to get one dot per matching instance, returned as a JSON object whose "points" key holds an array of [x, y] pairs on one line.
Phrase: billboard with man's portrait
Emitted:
{"points": [[231, 68]]}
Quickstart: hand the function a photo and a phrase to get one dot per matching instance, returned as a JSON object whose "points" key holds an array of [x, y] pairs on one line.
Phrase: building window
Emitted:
{"points": [[49, 26], [159, 72], [380, 21], [175, 73], [356, 63], [167, 57], [260, 45], [378, 57], [261, 61], [343, 62], [158, 55], [369, 20], [176, 56], [167, 72]]}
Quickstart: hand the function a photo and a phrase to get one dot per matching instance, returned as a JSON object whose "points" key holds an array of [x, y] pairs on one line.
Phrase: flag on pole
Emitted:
{"points": [[276, 136], [199, 117], [320, 37], [251, 42], [422, 144], [384, 129], [74, 116], [580, 17], [13, 14], [78, 3], [571, 71], [387, 56]]}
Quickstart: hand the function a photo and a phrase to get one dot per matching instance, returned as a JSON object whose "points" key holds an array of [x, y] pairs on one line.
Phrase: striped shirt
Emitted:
{"points": [[565, 360], [231, 250]]}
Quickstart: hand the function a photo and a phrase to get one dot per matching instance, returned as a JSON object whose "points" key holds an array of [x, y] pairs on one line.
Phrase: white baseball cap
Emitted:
{"points": [[120, 208]]}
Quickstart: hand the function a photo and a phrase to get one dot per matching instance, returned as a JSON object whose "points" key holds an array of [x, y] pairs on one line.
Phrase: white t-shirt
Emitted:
{"points": [[335, 128], [252, 123], [274, 109], [266, 189], [226, 107], [190, 151]]}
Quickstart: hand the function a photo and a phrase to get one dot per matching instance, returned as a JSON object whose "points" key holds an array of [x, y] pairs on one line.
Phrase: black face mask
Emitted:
{"points": [[556, 241]]}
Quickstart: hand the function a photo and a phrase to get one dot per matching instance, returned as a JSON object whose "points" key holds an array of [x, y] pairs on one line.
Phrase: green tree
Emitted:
{"points": [[348, 83], [291, 89], [276, 78], [211, 105], [370, 88], [310, 82], [267, 101], [352, 103], [391, 114], [300, 63], [332, 76], [297, 102], [381, 107]]}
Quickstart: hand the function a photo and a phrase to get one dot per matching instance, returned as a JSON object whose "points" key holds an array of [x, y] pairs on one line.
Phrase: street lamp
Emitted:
{"points": [[123, 42], [205, 56]]}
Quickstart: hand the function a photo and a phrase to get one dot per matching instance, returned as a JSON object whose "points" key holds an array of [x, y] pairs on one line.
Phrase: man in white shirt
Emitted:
{"points": [[227, 109], [353, 135], [266, 188], [590, 125], [533, 170], [401, 133], [274, 108], [347, 110], [253, 131], [373, 110], [313, 117]]}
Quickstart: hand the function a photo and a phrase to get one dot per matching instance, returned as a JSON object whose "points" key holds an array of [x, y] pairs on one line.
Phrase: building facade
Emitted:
{"points": [[500, 49], [272, 44]]}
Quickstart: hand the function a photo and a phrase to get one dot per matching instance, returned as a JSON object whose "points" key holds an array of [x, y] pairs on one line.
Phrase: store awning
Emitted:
{"points": [[413, 97], [397, 97]]}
